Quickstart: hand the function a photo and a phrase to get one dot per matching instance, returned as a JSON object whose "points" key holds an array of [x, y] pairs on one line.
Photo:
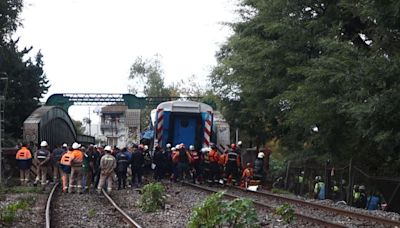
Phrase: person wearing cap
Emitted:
{"points": [[55, 161], [107, 165], [259, 173], [24, 163], [137, 164], [232, 164], [75, 180], [168, 157], [247, 175], [42, 158]]}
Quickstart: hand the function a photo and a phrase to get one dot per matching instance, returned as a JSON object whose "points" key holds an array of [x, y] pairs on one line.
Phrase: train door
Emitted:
{"points": [[184, 130]]}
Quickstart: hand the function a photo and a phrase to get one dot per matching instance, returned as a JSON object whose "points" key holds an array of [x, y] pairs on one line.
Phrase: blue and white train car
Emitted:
{"points": [[186, 122]]}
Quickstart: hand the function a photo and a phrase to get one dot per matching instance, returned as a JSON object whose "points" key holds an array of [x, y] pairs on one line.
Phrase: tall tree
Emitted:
{"points": [[27, 81], [291, 65]]}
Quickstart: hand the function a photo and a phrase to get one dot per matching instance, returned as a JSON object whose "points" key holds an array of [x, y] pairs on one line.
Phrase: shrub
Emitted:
{"points": [[286, 212], [214, 212], [153, 197]]}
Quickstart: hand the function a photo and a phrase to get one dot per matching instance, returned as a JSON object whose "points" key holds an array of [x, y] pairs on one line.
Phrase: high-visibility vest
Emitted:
{"points": [[213, 156], [77, 156], [66, 158], [248, 172], [23, 154]]}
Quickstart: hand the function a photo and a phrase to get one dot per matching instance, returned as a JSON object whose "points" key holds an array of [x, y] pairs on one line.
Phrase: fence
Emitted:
{"points": [[344, 178]]}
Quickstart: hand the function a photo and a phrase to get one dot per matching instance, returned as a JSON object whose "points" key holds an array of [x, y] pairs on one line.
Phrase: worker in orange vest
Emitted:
{"points": [[214, 159], [76, 169], [65, 166], [24, 163], [247, 175]]}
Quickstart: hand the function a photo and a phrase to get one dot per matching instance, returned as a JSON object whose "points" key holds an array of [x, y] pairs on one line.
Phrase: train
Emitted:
{"points": [[190, 123]]}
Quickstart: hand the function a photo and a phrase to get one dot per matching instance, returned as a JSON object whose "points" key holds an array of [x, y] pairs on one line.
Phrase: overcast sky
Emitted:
{"points": [[89, 45]]}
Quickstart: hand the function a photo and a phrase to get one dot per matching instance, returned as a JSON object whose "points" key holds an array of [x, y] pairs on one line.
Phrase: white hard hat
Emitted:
{"points": [[146, 147], [239, 143], [75, 145], [168, 145], [173, 148], [260, 155], [64, 145], [178, 146], [205, 149], [191, 147], [107, 148], [44, 143]]}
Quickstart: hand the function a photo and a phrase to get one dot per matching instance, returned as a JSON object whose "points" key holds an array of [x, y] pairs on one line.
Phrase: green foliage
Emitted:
{"points": [[153, 197], [26, 79], [291, 65], [7, 214], [92, 212], [287, 212], [214, 212]]}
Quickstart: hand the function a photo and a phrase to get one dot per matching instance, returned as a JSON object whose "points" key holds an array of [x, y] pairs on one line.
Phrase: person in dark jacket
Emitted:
{"points": [[183, 159], [56, 155], [259, 173], [137, 164], [160, 161], [122, 166], [42, 157]]}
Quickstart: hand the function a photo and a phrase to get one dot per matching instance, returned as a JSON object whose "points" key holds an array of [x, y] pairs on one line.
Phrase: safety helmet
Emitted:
{"points": [[107, 148], [239, 143], [249, 164], [260, 155], [168, 145], [233, 146], [318, 178], [178, 146], [64, 145], [173, 148], [75, 145], [302, 172], [191, 147], [145, 147], [44, 143], [362, 187]]}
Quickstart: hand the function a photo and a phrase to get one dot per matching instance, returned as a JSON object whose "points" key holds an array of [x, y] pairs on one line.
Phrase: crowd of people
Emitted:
{"points": [[338, 193], [83, 169]]}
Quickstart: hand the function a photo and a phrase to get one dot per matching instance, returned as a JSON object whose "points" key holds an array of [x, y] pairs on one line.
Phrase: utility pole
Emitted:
{"points": [[3, 91]]}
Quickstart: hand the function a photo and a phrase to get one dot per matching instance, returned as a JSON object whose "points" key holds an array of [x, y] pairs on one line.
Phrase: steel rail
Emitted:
{"points": [[328, 208], [271, 208], [126, 216], [48, 205]]}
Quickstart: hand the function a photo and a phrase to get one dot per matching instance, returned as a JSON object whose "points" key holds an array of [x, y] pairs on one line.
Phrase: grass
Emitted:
{"points": [[280, 191], [92, 212], [20, 189], [7, 214]]}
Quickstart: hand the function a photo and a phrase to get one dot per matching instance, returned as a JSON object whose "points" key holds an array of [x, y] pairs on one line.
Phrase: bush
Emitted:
{"points": [[214, 212], [153, 197], [286, 212]]}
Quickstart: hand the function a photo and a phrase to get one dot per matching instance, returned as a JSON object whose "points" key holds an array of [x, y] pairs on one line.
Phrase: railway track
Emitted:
{"points": [[373, 220], [320, 215], [85, 210], [305, 218]]}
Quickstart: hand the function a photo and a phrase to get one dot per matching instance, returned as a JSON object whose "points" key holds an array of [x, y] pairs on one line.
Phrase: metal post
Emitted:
{"points": [[3, 91]]}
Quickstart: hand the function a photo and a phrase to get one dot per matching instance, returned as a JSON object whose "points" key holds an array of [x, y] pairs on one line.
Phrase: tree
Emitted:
{"points": [[27, 81], [291, 65], [147, 76]]}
